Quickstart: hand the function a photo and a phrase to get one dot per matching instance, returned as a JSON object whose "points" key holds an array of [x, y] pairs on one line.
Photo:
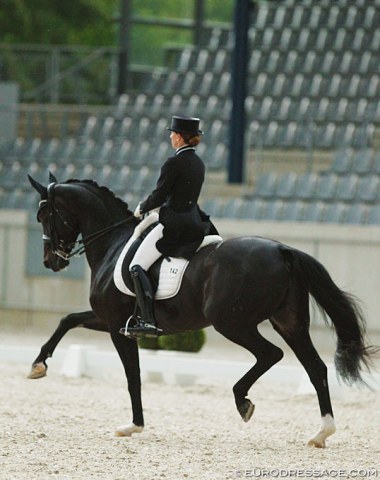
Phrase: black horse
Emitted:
{"points": [[233, 286]]}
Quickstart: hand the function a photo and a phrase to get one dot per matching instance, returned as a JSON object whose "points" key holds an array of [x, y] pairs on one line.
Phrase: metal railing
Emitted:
{"points": [[67, 74]]}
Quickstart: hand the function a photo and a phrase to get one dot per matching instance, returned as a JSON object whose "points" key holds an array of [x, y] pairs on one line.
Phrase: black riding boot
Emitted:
{"points": [[144, 298]]}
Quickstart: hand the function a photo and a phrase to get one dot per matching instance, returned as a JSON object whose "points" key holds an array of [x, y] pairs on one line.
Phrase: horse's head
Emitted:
{"points": [[60, 231], [79, 207]]}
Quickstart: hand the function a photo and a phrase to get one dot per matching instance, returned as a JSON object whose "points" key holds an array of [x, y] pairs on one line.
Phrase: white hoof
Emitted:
{"points": [[327, 429], [127, 430], [38, 371]]}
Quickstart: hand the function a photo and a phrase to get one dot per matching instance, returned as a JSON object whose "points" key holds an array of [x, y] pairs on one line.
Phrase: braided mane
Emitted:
{"points": [[104, 191]]}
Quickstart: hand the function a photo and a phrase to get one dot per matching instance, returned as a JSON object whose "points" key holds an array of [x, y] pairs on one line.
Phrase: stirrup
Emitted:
{"points": [[141, 329], [124, 330]]}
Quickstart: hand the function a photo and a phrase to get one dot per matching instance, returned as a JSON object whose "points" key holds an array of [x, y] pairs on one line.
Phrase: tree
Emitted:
{"points": [[88, 22], [93, 22]]}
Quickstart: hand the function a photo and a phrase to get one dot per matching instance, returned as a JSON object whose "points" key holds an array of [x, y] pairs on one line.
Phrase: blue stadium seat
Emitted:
{"points": [[266, 185], [122, 129], [221, 62], [233, 208], [105, 129], [121, 180], [342, 160], [49, 150], [90, 128], [335, 213], [356, 214], [359, 110], [273, 210], [369, 188], [105, 176], [286, 185], [9, 176], [224, 84], [299, 18], [214, 207], [327, 185], [253, 209], [374, 215], [218, 38], [176, 103], [347, 187], [121, 154], [215, 158], [12, 149], [313, 212], [202, 61], [362, 163], [122, 105], [270, 134], [186, 59], [376, 163], [104, 153], [158, 102], [293, 211], [306, 186]]}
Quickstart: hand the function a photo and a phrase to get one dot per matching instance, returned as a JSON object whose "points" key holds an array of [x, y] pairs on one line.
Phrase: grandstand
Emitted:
{"points": [[313, 111]]}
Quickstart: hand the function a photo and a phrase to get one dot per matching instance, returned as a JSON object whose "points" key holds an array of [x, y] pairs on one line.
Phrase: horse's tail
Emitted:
{"points": [[352, 356]]}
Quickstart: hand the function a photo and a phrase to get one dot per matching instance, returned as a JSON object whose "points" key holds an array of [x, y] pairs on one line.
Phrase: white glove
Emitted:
{"points": [[138, 213]]}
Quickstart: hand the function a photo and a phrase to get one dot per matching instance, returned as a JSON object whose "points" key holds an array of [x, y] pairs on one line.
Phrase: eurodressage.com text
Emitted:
{"points": [[308, 473]]}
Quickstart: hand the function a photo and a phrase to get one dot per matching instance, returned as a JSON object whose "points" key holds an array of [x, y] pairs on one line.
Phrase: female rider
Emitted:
{"points": [[182, 225]]}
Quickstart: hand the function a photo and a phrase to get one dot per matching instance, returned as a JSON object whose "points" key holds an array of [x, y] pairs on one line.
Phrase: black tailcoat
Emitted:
{"points": [[177, 192]]}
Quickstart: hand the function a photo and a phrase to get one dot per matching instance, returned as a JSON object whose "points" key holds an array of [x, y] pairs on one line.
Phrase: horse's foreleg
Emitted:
{"points": [[129, 355], [266, 355], [82, 319]]}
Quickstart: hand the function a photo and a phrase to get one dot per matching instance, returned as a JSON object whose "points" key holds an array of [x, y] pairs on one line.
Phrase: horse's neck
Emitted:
{"points": [[94, 220], [102, 246]]}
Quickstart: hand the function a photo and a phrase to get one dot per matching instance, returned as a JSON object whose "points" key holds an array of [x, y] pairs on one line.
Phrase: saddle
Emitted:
{"points": [[166, 273]]}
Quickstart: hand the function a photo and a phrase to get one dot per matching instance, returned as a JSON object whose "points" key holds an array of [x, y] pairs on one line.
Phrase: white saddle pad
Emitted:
{"points": [[171, 270]]}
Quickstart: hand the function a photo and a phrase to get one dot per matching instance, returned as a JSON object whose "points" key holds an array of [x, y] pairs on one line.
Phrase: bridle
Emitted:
{"points": [[60, 247]]}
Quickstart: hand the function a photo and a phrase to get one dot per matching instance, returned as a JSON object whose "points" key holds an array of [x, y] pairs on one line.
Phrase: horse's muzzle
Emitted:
{"points": [[55, 263]]}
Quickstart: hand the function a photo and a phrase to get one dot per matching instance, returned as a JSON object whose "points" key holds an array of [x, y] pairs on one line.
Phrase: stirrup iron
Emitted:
{"points": [[141, 329]]}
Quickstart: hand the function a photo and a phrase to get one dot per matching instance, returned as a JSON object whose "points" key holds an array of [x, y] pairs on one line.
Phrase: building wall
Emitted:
{"points": [[28, 300], [350, 253]]}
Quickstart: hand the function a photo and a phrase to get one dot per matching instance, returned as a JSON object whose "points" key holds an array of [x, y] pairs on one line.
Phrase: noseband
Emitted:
{"points": [[60, 247]]}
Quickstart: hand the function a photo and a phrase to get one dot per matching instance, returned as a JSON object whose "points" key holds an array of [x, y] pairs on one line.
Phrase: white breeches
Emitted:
{"points": [[147, 252]]}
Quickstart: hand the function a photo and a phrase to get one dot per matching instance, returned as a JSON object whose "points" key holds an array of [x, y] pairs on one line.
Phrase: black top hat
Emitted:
{"points": [[185, 125]]}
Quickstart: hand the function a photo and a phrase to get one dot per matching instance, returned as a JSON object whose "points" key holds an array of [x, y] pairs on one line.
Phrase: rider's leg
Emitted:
{"points": [[147, 252], [145, 256]]}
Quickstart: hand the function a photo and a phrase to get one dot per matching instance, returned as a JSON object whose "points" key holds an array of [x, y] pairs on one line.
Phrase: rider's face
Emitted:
{"points": [[176, 139]]}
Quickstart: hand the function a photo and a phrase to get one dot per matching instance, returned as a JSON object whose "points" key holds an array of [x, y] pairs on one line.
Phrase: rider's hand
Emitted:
{"points": [[138, 213]]}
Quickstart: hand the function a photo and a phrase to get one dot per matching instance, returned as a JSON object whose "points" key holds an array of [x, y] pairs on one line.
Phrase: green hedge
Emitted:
{"points": [[184, 342], [150, 343]]}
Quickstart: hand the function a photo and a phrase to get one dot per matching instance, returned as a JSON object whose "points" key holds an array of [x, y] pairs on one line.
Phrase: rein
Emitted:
{"points": [[93, 237], [59, 247]]}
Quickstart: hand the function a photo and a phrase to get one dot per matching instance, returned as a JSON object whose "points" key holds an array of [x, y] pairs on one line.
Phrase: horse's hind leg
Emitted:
{"points": [[266, 355], [85, 319], [292, 323]]}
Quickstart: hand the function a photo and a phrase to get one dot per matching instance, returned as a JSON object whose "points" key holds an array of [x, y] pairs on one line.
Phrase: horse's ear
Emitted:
{"points": [[52, 178], [37, 186]]}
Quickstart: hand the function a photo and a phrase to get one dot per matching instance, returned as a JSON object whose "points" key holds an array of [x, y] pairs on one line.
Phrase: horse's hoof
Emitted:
{"points": [[127, 430], [328, 428], [316, 443], [246, 409], [38, 371]]}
